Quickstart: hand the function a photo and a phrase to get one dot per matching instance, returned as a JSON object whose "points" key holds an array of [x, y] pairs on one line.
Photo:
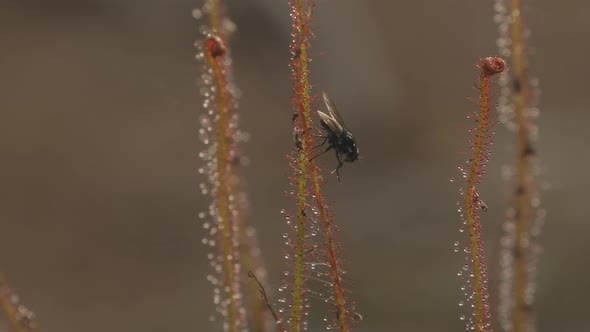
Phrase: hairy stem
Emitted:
{"points": [[223, 187], [334, 266], [520, 308], [302, 87], [302, 79], [472, 202], [471, 212]]}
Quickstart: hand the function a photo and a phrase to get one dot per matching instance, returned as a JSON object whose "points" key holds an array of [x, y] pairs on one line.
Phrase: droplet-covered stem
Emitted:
{"points": [[223, 190], [523, 189], [479, 158], [301, 16], [302, 88]]}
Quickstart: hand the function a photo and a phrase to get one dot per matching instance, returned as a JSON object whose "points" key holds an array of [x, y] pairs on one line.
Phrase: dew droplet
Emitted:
{"points": [[197, 13]]}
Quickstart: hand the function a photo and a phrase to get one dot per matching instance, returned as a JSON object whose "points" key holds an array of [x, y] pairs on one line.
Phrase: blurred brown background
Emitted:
{"points": [[99, 194]]}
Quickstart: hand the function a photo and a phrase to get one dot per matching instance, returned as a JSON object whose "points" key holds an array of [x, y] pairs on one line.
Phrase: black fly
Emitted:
{"points": [[338, 136]]}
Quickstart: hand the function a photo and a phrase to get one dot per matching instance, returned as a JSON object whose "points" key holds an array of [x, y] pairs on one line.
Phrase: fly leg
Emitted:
{"points": [[340, 164], [321, 153], [321, 144]]}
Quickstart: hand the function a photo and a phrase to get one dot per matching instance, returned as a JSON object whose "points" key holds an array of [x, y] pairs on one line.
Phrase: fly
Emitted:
{"points": [[337, 135]]}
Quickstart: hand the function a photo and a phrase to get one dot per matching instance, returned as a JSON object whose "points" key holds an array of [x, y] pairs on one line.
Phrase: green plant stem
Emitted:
{"points": [[215, 16], [302, 87], [302, 78], [300, 247]]}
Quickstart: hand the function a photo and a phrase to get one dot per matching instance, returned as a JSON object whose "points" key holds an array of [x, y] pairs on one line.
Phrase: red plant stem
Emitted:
{"points": [[301, 21], [335, 269], [523, 190], [471, 211], [479, 158], [214, 53]]}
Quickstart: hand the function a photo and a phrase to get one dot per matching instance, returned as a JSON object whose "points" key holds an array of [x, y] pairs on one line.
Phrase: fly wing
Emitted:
{"points": [[334, 126], [332, 109]]}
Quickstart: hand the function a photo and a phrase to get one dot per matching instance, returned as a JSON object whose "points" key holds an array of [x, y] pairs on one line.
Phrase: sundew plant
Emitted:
{"points": [[313, 253], [320, 214], [474, 273], [519, 110], [233, 241]]}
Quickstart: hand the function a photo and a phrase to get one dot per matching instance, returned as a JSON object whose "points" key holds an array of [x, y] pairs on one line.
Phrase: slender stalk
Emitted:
{"points": [[215, 16], [300, 249], [523, 194], [223, 170], [338, 291], [472, 202], [237, 298], [308, 171], [302, 88], [473, 224], [214, 54]]}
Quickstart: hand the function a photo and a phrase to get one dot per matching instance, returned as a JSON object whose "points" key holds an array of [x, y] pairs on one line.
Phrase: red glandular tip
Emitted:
{"points": [[215, 46], [492, 65]]}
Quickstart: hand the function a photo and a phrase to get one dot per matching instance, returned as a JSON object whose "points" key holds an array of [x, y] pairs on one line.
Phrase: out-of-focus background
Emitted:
{"points": [[99, 197]]}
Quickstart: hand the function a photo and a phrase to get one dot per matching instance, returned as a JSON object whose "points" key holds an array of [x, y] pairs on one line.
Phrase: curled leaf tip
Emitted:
{"points": [[492, 65]]}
